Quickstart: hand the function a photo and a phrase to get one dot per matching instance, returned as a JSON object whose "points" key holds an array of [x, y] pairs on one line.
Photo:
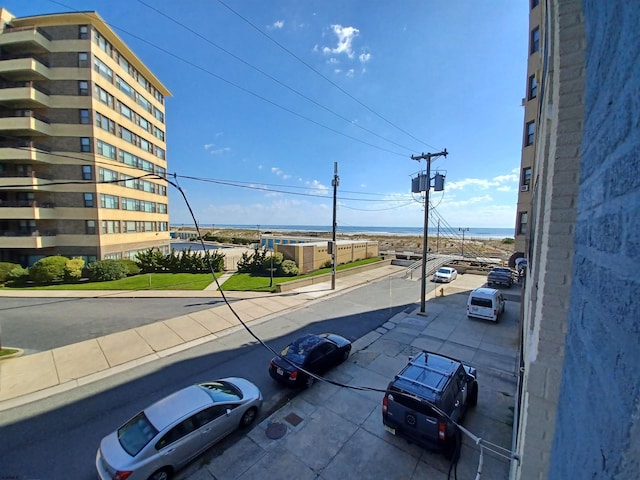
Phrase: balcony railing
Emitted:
{"points": [[25, 144], [23, 114], [25, 203], [28, 233], [10, 29], [26, 84], [27, 56]]}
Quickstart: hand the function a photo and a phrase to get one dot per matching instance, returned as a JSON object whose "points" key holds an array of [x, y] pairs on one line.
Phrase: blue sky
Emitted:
{"points": [[267, 95]]}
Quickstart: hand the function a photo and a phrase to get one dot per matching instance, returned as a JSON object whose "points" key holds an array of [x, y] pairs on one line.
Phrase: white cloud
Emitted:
{"points": [[482, 183], [364, 57], [345, 36], [278, 24], [211, 148], [505, 188]]}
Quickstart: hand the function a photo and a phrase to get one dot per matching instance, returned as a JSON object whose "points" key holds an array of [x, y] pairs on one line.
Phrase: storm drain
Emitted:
{"points": [[276, 430], [293, 419]]}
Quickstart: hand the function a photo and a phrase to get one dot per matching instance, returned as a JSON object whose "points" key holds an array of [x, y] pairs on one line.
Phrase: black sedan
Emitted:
{"points": [[313, 353]]}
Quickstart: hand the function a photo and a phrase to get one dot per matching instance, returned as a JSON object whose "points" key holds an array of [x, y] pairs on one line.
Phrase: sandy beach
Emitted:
{"points": [[477, 247]]}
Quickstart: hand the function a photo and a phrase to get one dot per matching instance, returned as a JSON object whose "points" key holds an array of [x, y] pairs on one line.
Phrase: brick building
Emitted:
{"points": [[82, 142], [579, 408]]}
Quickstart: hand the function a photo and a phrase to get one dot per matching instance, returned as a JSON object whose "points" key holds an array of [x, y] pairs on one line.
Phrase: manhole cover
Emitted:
{"points": [[293, 419], [276, 430]]}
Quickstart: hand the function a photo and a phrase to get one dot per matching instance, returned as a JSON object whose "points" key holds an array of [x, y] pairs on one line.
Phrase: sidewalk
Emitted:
{"points": [[329, 432], [325, 432], [32, 377]]}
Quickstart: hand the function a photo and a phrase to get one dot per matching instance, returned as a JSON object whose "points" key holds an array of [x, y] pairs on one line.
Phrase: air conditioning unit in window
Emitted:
{"points": [[524, 188]]}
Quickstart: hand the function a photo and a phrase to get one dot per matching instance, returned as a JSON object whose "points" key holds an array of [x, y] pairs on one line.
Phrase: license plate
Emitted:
{"points": [[279, 371], [392, 431]]}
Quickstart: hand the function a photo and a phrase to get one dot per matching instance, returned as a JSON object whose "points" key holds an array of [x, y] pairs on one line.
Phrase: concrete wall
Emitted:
{"points": [[598, 424]]}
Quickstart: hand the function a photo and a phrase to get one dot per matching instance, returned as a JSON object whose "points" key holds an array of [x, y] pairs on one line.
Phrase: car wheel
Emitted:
{"points": [[248, 417], [309, 381], [473, 394], [345, 355], [162, 474]]}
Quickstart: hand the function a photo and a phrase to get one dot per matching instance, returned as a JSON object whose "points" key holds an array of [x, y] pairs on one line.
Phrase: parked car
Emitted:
{"points": [[429, 386], [445, 274], [166, 435], [500, 276], [487, 303], [313, 353]]}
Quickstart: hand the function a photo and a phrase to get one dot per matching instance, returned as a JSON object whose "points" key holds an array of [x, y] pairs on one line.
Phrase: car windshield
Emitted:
{"points": [[445, 271], [222, 392], [298, 350], [136, 433]]}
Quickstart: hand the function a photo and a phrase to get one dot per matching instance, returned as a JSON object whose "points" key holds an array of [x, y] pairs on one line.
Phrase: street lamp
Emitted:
{"points": [[463, 230], [271, 270]]}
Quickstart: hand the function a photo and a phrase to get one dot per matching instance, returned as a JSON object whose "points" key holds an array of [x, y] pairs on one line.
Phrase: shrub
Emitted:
{"points": [[131, 266], [508, 241], [48, 269], [106, 270], [73, 269], [5, 270], [289, 268], [326, 264], [19, 275]]}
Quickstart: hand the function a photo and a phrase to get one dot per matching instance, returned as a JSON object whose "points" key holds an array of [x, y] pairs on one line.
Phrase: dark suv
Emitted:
{"points": [[430, 380]]}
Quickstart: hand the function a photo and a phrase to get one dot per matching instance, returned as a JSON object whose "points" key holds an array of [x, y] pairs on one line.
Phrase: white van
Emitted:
{"points": [[485, 303]]}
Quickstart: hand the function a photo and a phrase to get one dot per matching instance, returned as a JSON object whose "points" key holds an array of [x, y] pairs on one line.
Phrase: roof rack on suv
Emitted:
{"points": [[416, 382]]}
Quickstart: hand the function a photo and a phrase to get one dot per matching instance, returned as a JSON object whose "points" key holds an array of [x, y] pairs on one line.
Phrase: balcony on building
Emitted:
{"points": [[21, 123], [23, 67], [25, 151], [27, 239], [20, 40], [24, 94]]}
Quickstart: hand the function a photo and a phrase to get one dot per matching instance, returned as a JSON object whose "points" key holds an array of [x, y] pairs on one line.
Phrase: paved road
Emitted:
{"points": [[62, 321], [58, 436]]}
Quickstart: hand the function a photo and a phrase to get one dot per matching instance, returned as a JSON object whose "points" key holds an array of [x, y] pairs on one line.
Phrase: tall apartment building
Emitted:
{"points": [[82, 142], [531, 106]]}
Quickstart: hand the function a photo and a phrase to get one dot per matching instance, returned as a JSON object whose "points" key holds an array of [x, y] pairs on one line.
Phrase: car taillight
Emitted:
{"points": [[293, 375], [385, 405], [122, 475], [442, 430]]}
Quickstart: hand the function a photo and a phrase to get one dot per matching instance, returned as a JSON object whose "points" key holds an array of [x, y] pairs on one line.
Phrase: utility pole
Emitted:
{"points": [[463, 230], [335, 182], [438, 238], [425, 243]]}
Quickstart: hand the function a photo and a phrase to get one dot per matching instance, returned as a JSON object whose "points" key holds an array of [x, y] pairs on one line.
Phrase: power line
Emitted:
{"points": [[321, 75], [271, 77], [243, 89]]}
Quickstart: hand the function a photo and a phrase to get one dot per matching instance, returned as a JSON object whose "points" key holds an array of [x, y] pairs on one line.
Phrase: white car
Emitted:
{"points": [[445, 274], [166, 435]]}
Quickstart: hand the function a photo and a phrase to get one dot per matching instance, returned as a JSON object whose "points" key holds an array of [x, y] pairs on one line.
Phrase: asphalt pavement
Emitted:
{"points": [[327, 431]]}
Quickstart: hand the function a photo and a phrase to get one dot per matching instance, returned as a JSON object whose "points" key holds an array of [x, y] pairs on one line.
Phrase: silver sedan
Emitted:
{"points": [[171, 432]]}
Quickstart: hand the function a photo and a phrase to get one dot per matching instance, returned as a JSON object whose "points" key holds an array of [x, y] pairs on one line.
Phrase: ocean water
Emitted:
{"points": [[482, 233]]}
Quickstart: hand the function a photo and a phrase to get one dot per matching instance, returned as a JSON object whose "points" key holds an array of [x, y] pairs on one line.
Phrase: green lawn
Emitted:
{"points": [[192, 281], [146, 281], [247, 282]]}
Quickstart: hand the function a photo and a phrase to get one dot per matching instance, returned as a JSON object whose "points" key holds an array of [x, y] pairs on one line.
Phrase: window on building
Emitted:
{"points": [[85, 144], [83, 87], [84, 116], [83, 59], [90, 227], [83, 32], [522, 222], [533, 87], [100, 67], [88, 200], [526, 176], [534, 3], [106, 149], [535, 40], [530, 133], [87, 172], [109, 201]]}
